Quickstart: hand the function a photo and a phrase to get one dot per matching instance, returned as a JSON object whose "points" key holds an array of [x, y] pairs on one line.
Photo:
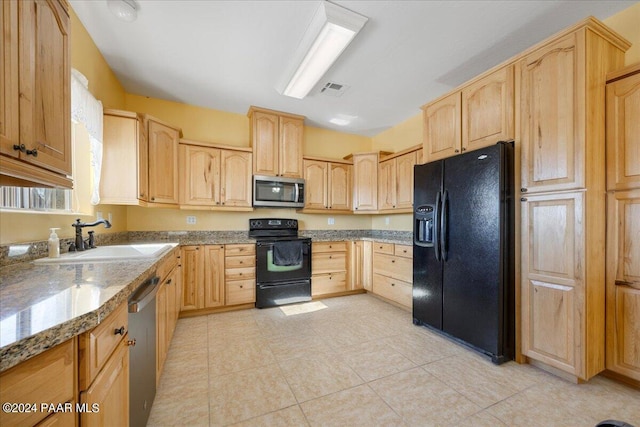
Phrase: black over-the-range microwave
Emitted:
{"points": [[278, 192]]}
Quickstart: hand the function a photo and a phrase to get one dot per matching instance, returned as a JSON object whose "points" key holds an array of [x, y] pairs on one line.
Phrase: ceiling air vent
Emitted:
{"points": [[334, 89]]}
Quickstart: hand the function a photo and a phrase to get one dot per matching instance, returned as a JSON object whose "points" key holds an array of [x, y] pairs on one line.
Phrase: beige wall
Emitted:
{"points": [[627, 24], [404, 135]]}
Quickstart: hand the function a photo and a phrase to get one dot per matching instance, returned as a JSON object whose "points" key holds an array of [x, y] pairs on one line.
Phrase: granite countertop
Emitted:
{"points": [[43, 305]]}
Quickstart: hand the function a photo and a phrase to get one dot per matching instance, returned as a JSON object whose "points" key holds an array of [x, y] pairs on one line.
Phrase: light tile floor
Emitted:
{"points": [[360, 361]]}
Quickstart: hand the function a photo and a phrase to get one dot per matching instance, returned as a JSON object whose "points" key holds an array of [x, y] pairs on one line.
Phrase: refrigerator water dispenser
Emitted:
{"points": [[423, 233]]}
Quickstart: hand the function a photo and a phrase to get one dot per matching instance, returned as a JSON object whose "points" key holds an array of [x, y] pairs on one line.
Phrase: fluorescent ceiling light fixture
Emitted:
{"points": [[125, 10], [342, 119], [330, 32]]}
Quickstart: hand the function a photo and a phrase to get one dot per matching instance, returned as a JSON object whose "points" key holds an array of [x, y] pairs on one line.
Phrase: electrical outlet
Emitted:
{"points": [[110, 217], [386, 220], [331, 221], [191, 219], [99, 215]]}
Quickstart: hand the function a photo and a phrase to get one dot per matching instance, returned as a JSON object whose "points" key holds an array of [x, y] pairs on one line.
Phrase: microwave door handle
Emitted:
{"points": [[297, 193]]}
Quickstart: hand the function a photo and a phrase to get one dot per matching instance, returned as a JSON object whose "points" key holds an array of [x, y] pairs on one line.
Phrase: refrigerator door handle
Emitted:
{"points": [[436, 227], [443, 226]]}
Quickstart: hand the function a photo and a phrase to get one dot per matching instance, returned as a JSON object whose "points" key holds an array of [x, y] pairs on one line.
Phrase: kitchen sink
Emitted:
{"points": [[111, 253]]}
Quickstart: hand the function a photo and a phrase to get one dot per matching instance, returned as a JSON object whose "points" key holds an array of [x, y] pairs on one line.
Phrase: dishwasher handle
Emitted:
{"points": [[144, 294]]}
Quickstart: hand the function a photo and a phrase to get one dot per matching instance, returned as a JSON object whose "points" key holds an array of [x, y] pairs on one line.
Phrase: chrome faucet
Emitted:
{"points": [[80, 244]]}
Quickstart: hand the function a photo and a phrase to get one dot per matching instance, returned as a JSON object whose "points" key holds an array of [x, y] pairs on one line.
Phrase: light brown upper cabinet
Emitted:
{"points": [[442, 127], [140, 160], [163, 162], [480, 114], [35, 133], [623, 133], [562, 124], [365, 182], [214, 177], [276, 139], [487, 110], [327, 185], [395, 182]]}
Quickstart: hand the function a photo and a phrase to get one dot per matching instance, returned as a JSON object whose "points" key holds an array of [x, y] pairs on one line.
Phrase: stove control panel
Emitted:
{"points": [[273, 224]]}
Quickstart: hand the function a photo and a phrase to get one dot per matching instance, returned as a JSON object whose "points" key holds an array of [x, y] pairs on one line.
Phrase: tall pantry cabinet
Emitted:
{"points": [[562, 125], [623, 223]]}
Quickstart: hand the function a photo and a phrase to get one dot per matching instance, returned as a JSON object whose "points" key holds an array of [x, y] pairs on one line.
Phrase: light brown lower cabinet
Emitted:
{"points": [[328, 268], [107, 399], [393, 272], [240, 274], [48, 377], [360, 268], [167, 310], [623, 284]]}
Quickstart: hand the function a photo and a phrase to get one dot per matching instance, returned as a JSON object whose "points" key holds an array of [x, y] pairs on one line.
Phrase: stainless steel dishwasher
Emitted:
{"points": [[142, 356]]}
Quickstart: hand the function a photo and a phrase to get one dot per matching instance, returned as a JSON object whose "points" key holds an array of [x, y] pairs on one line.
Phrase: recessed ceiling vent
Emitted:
{"points": [[334, 89]]}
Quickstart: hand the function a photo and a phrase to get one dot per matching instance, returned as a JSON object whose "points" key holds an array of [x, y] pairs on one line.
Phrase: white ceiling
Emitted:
{"points": [[228, 55]]}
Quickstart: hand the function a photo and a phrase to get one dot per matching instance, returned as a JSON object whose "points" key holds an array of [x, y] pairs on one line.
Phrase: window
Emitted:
{"points": [[38, 199]]}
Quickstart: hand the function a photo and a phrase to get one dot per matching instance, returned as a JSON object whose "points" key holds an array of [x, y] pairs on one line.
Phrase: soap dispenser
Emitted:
{"points": [[54, 244]]}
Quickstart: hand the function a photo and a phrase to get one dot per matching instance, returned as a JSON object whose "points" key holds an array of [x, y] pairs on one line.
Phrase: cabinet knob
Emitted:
{"points": [[241, 286], [523, 199], [456, 151], [168, 282], [523, 190], [393, 261], [131, 343], [393, 284], [119, 331], [464, 149], [153, 198], [241, 274], [19, 147], [33, 152], [241, 262]]}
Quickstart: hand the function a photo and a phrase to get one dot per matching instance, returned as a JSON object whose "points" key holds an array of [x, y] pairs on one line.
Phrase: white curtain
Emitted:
{"points": [[87, 110]]}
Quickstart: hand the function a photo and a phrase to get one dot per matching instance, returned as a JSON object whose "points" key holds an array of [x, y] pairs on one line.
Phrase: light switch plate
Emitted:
{"points": [[191, 219], [331, 220]]}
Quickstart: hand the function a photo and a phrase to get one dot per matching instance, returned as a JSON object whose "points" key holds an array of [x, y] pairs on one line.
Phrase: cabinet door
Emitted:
{"points": [[291, 137], [110, 391], [163, 163], [623, 283], [553, 280], [45, 80], [120, 176], [235, 184], [191, 259], [487, 110], [442, 128], [365, 182], [552, 117], [623, 133], [9, 109], [265, 143], [339, 186], [315, 191], [213, 276], [162, 345], [387, 184], [356, 266], [404, 180], [200, 177]]}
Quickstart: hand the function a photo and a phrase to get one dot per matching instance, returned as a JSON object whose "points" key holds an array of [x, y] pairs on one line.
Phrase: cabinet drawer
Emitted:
{"points": [[328, 262], [169, 264], [48, 377], [97, 345], [404, 251], [317, 247], [328, 283], [239, 273], [241, 292], [244, 249], [383, 248], [392, 289], [393, 266], [240, 261]]}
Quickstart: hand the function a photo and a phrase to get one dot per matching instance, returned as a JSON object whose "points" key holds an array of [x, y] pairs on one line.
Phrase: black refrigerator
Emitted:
{"points": [[463, 251]]}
